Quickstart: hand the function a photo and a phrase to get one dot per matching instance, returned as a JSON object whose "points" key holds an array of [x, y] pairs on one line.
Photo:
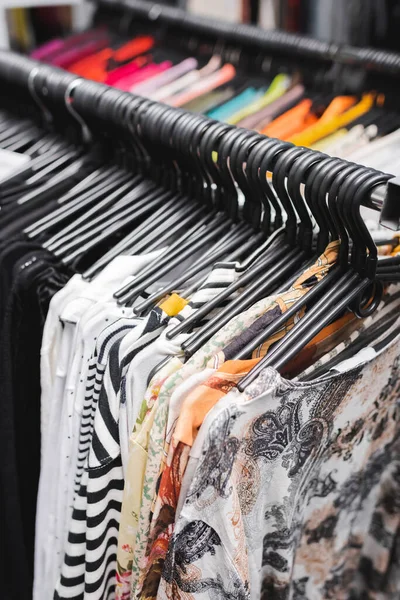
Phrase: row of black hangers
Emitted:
{"points": [[132, 176]]}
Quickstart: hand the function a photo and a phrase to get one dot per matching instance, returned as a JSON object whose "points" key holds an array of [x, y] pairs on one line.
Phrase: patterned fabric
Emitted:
{"points": [[135, 491], [249, 334], [158, 441], [138, 490], [71, 581], [211, 354], [281, 303], [194, 409], [295, 491], [192, 413]]}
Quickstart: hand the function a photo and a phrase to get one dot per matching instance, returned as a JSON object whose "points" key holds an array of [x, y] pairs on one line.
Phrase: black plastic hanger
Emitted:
{"points": [[348, 291], [120, 110], [112, 230], [224, 158], [194, 222], [260, 264], [184, 250], [121, 213], [317, 187], [98, 200], [95, 179], [324, 181], [179, 128], [260, 287], [199, 266], [270, 276], [257, 166], [192, 211], [296, 174], [250, 274], [160, 225], [210, 143]]}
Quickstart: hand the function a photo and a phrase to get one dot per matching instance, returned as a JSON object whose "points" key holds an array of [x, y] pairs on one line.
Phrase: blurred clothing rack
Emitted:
{"points": [[252, 37]]}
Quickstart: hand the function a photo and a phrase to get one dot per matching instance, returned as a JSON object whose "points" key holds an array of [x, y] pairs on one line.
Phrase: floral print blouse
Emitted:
{"points": [[228, 340], [293, 491]]}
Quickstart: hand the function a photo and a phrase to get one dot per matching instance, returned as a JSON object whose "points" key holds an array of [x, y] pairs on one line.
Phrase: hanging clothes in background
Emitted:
{"points": [[355, 22], [235, 11], [285, 104], [29, 27], [20, 31]]}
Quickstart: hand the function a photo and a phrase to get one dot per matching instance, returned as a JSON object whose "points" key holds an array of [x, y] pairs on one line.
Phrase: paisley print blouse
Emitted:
{"points": [[294, 492]]}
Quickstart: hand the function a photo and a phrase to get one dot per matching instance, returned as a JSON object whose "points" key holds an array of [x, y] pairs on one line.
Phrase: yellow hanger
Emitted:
{"points": [[326, 126]]}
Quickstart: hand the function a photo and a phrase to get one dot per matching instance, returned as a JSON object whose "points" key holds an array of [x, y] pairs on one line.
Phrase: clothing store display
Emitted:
{"points": [[199, 323]]}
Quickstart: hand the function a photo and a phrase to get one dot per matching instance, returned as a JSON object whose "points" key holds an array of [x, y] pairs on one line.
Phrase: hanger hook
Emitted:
{"points": [[68, 96], [31, 86], [219, 47]]}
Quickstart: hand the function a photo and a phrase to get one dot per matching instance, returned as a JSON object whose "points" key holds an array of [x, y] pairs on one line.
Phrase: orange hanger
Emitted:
{"points": [[294, 120]]}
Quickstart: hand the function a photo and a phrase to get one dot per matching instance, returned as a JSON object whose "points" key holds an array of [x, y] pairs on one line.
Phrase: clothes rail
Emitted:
{"points": [[254, 37], [79, 101]]}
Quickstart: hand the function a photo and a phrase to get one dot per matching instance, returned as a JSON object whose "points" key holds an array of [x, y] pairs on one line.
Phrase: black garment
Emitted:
{"points": [[10, 253], [35, 278]]}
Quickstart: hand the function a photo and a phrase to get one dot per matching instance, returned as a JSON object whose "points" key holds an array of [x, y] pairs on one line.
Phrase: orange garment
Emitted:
{"points": [[100, 74], [292, 121], [81, 67], [338, 106], [322, 343], [200, 401], [300, 118], [173, 304], [137, 46]]}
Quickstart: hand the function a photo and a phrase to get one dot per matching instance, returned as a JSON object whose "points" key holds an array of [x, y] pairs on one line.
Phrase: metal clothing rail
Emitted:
{"points": [[71, 103], [251, 36]]}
